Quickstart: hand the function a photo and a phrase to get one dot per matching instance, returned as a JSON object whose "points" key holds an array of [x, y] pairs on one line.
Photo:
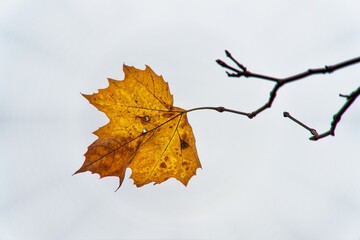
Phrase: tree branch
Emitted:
{"points": [[241, 71], [350, 99]]}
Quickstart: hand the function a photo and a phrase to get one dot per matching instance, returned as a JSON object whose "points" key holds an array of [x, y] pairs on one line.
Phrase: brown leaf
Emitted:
{"points": [[146, 132]]}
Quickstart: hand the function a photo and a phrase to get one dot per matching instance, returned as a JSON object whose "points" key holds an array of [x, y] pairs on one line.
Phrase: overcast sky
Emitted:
{"points": [[261, 178]]}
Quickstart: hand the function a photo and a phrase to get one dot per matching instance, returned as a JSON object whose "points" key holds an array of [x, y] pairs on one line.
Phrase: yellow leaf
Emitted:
{"points": [[146, 132]]}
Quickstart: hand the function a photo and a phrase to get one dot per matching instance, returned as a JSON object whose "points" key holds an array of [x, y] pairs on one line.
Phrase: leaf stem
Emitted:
{"points": [[219, 109]]}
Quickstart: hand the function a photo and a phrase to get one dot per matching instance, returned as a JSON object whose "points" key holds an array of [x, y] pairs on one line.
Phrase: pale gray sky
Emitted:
{"points": [[261, 178]]}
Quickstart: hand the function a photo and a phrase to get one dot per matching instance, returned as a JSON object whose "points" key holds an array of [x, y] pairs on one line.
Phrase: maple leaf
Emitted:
{"points": [[145, 133]]}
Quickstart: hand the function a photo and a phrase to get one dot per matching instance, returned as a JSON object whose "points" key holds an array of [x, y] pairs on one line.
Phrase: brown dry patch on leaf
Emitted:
{"points": [[145, 133]]}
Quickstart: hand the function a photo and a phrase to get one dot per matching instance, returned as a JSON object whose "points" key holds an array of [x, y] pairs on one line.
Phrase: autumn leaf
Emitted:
{"points": [[145, 133]]}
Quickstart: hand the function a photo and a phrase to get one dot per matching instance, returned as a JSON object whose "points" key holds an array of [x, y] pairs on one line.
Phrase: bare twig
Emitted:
{"points": [[311, 130], [336, 118], [240, 70]]}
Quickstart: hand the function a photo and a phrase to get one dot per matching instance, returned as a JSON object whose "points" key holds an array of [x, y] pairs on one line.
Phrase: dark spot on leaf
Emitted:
{"points": [[166, 158], [144, 119], [163, 165], [183, 144]]}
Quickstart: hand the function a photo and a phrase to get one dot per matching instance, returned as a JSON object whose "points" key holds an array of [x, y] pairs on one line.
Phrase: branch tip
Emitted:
{"points": [[344, 96], [220, 62], [228, 54]]}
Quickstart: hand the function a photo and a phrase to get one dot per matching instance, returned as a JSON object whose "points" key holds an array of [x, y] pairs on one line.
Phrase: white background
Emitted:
{"points": [[261, 178]]}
